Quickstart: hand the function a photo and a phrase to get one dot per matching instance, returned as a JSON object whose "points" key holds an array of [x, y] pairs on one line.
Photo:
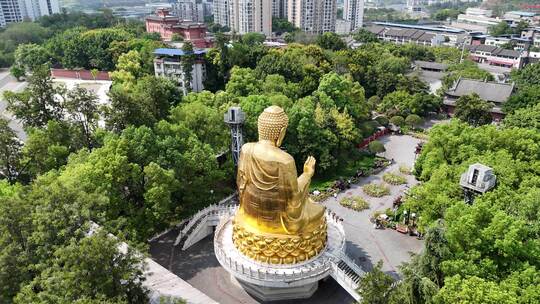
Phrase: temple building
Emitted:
{"points": [[166, 25], [494, 92]]}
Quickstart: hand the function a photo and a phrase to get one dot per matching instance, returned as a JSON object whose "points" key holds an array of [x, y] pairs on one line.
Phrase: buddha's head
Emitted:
{"points": [[272, 125]]}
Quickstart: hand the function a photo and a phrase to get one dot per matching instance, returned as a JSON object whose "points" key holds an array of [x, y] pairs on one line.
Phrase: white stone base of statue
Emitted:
{"points": [[269, 282]]}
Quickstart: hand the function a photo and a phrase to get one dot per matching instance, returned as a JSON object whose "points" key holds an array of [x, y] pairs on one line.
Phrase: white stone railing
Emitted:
{"points": [[201, 214], [271, 274]]}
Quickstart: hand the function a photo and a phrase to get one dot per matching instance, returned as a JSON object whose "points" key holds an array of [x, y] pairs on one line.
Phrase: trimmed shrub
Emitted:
{"points": [[376, 190], [355, 203], [405, 170], [394, 179], [398, 121]]}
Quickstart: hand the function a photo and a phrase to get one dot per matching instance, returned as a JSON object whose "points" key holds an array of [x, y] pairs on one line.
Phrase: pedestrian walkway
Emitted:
{"points": [[364, 243]]}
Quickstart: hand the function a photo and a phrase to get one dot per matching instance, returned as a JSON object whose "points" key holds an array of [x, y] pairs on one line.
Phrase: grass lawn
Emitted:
{"points": [[364, 162]]}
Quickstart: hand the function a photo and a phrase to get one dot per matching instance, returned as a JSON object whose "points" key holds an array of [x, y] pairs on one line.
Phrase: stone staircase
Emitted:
{"points": [[202, 223]]}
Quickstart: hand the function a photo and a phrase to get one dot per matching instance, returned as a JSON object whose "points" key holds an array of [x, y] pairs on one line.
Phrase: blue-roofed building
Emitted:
{"points": [[168, 63]]}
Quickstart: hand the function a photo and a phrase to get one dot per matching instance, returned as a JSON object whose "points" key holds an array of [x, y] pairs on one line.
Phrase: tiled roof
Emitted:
{"points": [[490, 91], [431, 65]]}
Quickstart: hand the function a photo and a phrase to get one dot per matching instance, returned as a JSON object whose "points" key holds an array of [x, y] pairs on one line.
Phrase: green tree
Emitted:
{"points": [[502, 28], [375, 286], [128, 68], [447, 13], [365, 36], [331, 41], [93, 268], [528, 118], [31, 56], [243, 82], [177, 37], [413, 120], [376, 147], [280, 26], [10, 147], [144, 103], [17, 72], [81, 107], [188, 60], [527, 76], [473, 110], [397, 120], [253, 38], [39, 102], [525, 97]]}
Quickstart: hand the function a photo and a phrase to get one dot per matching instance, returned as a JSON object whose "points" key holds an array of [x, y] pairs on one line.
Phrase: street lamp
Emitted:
{"points": [[404, 216]]}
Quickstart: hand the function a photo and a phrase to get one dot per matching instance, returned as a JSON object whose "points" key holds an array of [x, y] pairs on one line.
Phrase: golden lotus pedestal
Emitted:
{"points": [[279, 248], [261, 269]]}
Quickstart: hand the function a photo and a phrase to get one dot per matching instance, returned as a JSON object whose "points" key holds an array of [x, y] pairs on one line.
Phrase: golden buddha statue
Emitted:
{"points": [[277, 222]]}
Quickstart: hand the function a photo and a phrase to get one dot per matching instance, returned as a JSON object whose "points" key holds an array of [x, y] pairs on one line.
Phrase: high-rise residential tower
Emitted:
{"points": [[313, 16], [189, 10], [279, 8], [244, 16], [353, 11], [18, 10]]}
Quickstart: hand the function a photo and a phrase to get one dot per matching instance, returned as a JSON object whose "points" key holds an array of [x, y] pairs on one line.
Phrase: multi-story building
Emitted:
{"points": [[279, 8], [419, 34], [167, 25], [168, 63], [353, 11], [222, 12], [496, 93], [189, 10], [313, 16], [252, 16], [494, 55], [18, 10], [244, 16]]}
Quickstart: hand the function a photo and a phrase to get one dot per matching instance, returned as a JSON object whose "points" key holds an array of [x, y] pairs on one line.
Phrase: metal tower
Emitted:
{"points": [[235, 117]]}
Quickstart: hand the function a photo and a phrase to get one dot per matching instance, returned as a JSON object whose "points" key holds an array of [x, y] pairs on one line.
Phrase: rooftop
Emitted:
{"points": [[431, 65], [490, 91], [176, 52], [421, 27]]}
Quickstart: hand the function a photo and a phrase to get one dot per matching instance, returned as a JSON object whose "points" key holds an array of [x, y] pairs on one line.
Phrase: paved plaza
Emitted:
{"points": [[366, 245], [9, 83]]}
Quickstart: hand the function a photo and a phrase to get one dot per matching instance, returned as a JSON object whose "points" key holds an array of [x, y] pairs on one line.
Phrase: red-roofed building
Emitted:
{"points": [[166, 25]]}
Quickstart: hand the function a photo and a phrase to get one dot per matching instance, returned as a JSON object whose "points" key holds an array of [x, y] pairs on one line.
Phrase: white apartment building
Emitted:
{"points": [[244, 16], [189, 10], [19, 10], [313, 16], [353, 11], [168, 63], [279, 8], [222, 12]]}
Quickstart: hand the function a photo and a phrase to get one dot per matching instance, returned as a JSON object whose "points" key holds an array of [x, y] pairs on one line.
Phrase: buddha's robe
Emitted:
{"points": [[272, 198]]}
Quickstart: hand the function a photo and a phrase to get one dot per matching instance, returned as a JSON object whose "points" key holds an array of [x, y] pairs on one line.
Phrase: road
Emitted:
{"points": [[9, 83]]}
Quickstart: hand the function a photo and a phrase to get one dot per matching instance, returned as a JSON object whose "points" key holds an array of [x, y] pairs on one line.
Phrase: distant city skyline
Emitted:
{"points": [[12, 11]]}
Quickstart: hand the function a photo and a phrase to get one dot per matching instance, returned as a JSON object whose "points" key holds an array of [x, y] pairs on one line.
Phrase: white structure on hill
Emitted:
{"points": [[12, 11]]}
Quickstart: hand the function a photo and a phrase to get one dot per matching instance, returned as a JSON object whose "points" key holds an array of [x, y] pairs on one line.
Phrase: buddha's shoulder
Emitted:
{"points": [[273, 154]]}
